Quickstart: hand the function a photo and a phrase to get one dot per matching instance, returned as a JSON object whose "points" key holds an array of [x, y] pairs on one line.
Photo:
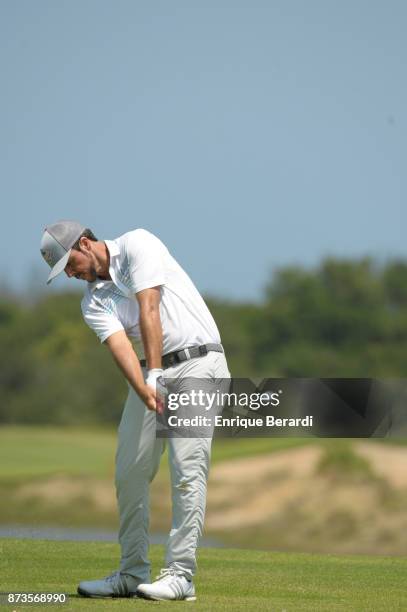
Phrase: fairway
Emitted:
{"points": [[32, 452], [289, 494], [230, 579]]}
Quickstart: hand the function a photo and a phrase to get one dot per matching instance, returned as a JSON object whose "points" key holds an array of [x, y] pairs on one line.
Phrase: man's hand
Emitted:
{"points": [[153, 375], [152, 399], [149, 397], [156, 382]]}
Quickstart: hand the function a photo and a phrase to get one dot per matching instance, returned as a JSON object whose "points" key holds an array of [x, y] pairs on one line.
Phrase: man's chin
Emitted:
{"points": [[91, 277]]}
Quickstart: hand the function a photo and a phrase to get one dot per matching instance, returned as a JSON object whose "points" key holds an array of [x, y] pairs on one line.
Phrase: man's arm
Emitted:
{"points": [[150, 326], [127, 360]]}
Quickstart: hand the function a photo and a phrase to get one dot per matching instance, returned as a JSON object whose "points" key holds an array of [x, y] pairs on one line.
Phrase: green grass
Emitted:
{"points": [[340, 460], [227, 579], [31, 452], [82, 461], [28, 452], [227, 449]]}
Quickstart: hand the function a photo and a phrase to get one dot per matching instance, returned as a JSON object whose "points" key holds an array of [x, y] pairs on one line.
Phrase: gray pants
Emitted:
{"points": [[137, 461]]}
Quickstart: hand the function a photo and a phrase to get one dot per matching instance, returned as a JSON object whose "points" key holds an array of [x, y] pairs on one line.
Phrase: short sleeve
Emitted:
{"points": [[102, 322], [146, 257]]}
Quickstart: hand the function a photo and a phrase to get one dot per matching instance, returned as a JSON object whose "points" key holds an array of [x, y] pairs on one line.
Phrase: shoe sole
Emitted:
{"points": [[92, 596], [144, 596]]}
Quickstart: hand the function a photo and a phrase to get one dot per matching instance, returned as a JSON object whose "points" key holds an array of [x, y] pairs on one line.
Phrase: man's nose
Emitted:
{"points": [[68, 272]]}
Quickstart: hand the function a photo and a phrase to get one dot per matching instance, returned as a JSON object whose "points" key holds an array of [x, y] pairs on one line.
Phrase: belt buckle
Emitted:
{"points": [[203, 350], [172, 359]]}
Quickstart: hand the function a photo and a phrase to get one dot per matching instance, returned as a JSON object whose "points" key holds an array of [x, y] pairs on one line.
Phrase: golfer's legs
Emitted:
{"points": [[189, 465], [137, 460]]}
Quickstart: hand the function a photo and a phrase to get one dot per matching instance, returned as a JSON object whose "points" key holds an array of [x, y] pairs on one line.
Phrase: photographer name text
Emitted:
{"points": [[243, 422]]}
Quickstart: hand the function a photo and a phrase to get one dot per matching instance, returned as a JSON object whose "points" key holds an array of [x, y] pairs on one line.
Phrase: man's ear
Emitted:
{"points": [[84, 244]]}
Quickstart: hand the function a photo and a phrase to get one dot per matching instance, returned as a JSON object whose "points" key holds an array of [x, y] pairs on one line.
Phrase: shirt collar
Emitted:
{"points": [[114, 251], [112, 247]]}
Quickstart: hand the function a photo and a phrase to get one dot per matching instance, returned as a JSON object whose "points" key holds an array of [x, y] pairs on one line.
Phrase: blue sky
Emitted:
{"points": [[246, 135]]}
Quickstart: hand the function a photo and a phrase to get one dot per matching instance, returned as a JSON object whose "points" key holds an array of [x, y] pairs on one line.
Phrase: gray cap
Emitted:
{"points": [[56, 244]]}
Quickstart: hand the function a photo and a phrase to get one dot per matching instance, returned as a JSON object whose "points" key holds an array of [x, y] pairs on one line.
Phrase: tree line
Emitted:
{"points": [[343, 318]]}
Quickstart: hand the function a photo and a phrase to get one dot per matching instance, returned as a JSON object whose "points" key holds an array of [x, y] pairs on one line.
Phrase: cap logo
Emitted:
{"points": [[47, 255]]}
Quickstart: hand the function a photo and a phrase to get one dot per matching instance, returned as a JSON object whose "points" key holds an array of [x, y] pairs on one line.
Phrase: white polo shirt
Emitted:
{"points": [[139, 260]]}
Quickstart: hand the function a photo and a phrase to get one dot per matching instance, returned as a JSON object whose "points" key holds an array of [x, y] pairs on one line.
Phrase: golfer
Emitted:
{"points": [[145, 308]]}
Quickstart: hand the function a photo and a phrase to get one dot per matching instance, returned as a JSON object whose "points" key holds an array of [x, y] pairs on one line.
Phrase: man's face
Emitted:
{"points": [[80, 265]]}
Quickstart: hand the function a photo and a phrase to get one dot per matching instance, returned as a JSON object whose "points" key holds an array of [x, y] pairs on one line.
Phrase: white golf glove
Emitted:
{"points": [[152, 377], [156, 381]]}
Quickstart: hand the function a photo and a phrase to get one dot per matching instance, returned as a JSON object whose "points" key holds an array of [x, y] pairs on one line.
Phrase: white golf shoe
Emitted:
{"points": [[115, 585], [169, 585]]}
